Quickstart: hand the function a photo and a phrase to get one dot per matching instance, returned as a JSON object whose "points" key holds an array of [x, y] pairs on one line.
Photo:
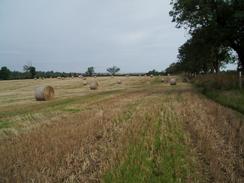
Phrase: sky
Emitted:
{"points": [[71, 35]]}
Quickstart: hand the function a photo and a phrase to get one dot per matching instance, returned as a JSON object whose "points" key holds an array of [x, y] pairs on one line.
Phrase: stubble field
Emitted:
{"points": [[142, 130]]}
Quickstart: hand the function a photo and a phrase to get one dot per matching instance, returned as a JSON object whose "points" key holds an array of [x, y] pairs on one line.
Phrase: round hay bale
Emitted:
{"points": [[162, 80], [172, 81], [93, 85], [119, 82], [43, 93], [84, 78], [85, 83], [151, 76]]}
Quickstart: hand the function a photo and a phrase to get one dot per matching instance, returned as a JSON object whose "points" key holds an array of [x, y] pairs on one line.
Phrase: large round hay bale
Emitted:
{"points": [[172, 81], [93, 85], [43, 93], [85, 83], [162, 80], [119, 82]]}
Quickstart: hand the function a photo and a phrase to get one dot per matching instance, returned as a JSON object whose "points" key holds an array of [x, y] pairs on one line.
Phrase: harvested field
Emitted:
{"points": [[142, 130]]}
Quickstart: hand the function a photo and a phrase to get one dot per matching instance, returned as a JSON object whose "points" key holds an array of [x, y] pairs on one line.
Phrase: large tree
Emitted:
{"points": [[203, 54], [5, 73], [90, 71], [113, 70], [224, 20], [31, 70]]}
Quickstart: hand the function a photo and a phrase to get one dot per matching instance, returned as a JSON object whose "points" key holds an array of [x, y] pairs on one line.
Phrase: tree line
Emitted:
{"points": [[29, 72], [216, 29]]}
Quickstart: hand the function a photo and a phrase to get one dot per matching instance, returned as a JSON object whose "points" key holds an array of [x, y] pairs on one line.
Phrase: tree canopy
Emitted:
{"points": [[5, 73], [90, 71], [215, 26], [31, 70], [113, 70]]}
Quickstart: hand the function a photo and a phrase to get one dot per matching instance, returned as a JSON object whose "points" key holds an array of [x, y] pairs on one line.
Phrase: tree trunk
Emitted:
{"points": [[216, 66], [240, 68], [240, 54], [240, 80]]}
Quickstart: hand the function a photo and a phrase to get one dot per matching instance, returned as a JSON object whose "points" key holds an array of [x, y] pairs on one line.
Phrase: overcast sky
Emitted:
{"points": [[70, 35]]}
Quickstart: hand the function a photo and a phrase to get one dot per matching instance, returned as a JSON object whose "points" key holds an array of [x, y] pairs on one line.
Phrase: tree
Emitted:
{"points": [[113, 70], [31, 70], [174, 68], [90, 71], [224, 20], [154, 73], [5, 73], [199, 55]]}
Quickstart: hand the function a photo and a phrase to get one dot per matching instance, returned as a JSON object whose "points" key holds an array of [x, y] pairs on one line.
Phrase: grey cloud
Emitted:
{"points": [[70, 35]]}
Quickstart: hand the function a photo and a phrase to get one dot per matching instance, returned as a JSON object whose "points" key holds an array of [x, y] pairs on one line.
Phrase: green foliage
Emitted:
{"points": [[221, 81], [222, 88], [155, 73], [5, 73], [219, 24], [231, 98], [199, 55], [90, 71], [5, 124], [30, 70], [174, 68], [113, 70]]}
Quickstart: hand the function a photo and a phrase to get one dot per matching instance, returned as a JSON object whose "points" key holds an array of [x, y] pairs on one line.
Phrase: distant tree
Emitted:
{"points": [[5, 73], [90, 71], [26, 68], [113, 70], [154, 72], [31, 70]]}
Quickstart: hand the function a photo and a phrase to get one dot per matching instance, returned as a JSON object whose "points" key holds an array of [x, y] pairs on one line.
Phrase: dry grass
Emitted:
{"points": [[218, 135], [170, 134]]}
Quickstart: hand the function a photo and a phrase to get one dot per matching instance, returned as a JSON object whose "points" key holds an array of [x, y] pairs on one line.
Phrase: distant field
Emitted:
{"points": [[142, 130], [18, 107]]}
